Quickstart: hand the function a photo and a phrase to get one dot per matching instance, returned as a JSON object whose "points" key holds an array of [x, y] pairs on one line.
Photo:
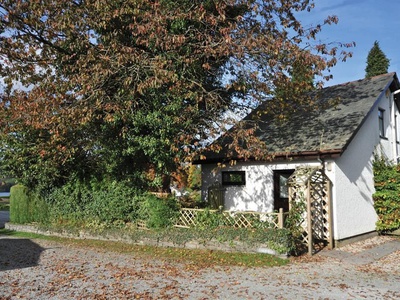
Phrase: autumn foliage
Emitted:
{"points": [[116, 88]]}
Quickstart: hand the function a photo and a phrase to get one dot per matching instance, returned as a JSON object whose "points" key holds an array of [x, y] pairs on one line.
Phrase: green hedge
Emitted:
{"points": [[99, 206], [26, 206], [107, 202], [19, 204], [159, 213], [387, 195]]}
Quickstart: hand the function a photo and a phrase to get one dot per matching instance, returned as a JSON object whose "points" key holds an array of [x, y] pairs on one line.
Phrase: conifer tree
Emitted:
{"points": [[377, 62]]}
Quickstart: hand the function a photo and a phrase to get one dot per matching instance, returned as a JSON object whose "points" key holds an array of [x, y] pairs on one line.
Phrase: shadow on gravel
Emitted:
{"points": [[18, 254], [4, 217]]}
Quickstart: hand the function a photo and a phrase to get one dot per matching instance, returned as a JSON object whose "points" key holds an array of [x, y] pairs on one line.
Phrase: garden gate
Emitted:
{"points": [[216, 195]]}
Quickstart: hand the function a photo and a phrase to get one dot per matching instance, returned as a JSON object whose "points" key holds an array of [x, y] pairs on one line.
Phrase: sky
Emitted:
{"points": [[362, 22]]}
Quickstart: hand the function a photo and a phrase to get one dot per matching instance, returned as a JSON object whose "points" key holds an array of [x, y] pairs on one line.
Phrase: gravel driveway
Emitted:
{"points": [[40, 269]]}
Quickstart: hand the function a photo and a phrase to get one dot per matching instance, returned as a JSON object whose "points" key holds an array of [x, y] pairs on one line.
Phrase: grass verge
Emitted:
{"points": [[199, 258]]}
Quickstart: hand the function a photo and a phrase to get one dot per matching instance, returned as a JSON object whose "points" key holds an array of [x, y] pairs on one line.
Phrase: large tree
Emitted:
{"points": [[118, 88], [377, 62]]}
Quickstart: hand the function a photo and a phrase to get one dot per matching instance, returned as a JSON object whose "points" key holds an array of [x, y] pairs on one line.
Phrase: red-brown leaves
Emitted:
{"points": [[142, 74]]}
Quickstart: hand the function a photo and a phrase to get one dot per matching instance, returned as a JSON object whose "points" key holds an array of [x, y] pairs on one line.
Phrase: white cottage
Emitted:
{"points": [[355, 122]]}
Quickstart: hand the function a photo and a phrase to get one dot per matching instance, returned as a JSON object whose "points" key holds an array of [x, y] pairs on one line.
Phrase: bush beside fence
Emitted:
{"points": [[386, 196], [95, 209]]}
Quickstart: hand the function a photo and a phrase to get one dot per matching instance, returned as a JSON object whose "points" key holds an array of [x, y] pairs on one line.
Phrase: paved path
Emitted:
{"points": [[4, 217], [366, 256]]}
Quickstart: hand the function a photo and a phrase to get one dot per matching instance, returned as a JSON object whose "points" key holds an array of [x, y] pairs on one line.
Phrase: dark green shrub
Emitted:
{"points": [[68, 202], [39, 209], [114, 201], [387, 195], [95, 201], [157, 212]]}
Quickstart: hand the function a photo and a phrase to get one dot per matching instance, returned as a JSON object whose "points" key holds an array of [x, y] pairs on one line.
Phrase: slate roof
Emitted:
{"points": [[328, 130]]}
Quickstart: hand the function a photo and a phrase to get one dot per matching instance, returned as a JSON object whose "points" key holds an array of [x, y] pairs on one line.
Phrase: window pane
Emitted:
{"points": [[233, 178], [283, 187], [381, 123]]}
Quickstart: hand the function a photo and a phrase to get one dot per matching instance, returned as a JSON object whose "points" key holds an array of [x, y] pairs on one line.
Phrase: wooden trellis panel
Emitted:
{"points": [[188, 218], [320, 207], [312, 186], [248, 219]]}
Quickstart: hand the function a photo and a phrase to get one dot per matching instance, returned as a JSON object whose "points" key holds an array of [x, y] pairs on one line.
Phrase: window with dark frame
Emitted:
{"points": [[233, 178], [381, 114], [281, 189]]}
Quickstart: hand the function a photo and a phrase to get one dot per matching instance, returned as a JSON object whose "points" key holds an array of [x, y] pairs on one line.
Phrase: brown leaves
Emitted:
{"points": [[104, 73]]}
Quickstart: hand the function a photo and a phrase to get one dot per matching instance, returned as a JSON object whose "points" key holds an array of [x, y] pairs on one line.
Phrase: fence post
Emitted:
{"points": [[280, 218]]}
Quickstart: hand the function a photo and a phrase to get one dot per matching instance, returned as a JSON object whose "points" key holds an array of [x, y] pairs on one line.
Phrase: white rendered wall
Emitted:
{"points": [[354, 212], [387, 145], [351, 176], [257, 194]]}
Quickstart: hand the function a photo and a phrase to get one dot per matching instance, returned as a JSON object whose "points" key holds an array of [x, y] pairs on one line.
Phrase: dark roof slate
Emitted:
{"points": [[328, 129]]}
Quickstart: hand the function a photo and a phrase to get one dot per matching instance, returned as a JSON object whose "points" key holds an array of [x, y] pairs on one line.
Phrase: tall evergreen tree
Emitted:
{"points": [[377, 62]]}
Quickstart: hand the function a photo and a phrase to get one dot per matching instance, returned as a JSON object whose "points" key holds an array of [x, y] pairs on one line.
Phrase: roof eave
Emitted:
{"points": [[302, 155]]}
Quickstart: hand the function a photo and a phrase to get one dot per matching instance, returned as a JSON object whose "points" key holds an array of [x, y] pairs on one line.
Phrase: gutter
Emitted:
{"points": [[303, 155]]}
